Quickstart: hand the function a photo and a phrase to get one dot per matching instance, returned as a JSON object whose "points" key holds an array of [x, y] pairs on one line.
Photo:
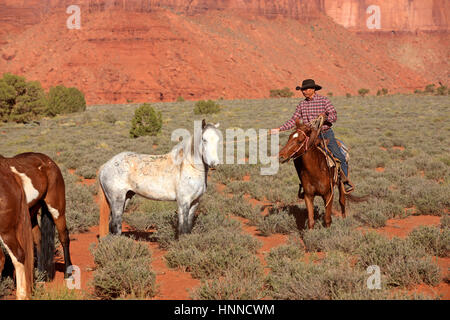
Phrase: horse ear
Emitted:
{"points": [[203, 124], [217, 125], [298, 122]]}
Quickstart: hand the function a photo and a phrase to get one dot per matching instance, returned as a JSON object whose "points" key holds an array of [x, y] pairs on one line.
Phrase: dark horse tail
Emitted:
{"points": [[357, 199], [45, 257]]}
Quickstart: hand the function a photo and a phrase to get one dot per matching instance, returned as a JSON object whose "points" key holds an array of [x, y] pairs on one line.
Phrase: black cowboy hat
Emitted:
{"points": [[308, 83]]}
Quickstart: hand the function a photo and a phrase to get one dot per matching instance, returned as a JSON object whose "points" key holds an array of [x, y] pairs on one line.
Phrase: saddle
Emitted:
{"points": [[332, 161]]}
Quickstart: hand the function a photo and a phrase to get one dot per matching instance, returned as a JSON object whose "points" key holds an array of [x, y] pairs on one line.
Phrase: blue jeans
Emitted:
{"points": [[334, 148]]}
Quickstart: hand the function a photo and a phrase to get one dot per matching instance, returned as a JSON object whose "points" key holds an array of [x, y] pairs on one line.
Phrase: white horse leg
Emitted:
{"points": [[183, 212], [117, 207], [190, 220]]}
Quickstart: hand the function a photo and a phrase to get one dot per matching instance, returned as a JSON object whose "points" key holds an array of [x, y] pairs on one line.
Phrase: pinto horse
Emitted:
{"points": [[180, 175], [15, 230], [315, 176], [44, 189]]}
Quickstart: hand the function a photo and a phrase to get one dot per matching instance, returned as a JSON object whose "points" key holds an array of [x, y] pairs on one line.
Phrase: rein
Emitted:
{"points": [[301, 146]]}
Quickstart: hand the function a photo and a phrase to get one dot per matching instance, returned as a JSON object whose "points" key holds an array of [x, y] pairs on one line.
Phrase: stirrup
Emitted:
{"points": [[348, 187]]}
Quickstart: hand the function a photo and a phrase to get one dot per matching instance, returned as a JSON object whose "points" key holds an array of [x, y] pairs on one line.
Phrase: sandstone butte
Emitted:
{"points": [[152, 50]]}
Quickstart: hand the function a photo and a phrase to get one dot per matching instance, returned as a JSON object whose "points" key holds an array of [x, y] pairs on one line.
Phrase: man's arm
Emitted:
{"points": [[291, 122], [330, 111]]}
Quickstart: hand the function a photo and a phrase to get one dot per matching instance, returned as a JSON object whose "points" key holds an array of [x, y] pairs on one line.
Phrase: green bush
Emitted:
{"points": [[363, 91], [339, 236], [430, 88], [62, 100], [242, 282], [442, 90], [382, 92], [281, 93], [403, 263], [146, 122], [21, 101], [331, 279], [123, 268], [206, 107], [432, 239], [209, 255]]}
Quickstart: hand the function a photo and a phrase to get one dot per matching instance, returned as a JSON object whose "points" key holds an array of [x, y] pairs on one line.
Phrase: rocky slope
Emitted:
{"points": [[158, 50]]}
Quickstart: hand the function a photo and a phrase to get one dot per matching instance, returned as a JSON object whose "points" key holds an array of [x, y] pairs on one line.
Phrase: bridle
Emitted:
{"points": [[301, 146]]}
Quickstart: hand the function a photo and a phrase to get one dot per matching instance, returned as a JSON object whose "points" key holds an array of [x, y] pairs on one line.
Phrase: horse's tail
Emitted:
{"points": [[104, 212], [45, 257], [357, 199]]}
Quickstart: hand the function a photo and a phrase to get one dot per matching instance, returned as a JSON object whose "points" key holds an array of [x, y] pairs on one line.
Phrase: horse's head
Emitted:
{"points": [[210, 143], [303, 138]]}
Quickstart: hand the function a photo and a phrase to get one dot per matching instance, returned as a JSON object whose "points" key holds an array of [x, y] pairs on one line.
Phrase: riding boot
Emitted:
{"points": [[301, 193], [348, 186]]}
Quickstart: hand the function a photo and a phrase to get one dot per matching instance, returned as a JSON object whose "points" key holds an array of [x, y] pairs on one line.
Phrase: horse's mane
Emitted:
{"points": [[188, 144], [185, 145]]}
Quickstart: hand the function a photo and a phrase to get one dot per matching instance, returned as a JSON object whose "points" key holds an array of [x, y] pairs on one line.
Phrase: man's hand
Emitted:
{"points": [[274, 131], [325, 117]]}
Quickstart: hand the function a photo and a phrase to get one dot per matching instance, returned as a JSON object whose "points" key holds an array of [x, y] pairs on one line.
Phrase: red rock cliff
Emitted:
{"points": [[146, 50]]}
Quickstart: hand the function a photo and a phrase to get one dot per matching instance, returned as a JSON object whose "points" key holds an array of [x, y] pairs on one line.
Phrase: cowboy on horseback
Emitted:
{"points": [[307, 111]]}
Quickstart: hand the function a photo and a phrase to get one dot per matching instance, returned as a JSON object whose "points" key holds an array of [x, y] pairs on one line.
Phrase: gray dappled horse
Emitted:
{"points": [[180, 175]]}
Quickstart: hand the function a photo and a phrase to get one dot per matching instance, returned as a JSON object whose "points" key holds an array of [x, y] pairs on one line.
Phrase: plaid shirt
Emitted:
{"points": [[309, 110]]}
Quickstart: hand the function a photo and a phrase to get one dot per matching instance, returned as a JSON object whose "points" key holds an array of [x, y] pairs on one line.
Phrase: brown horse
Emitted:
{"points": [[44, 189], [15, 230], [315, 176]]}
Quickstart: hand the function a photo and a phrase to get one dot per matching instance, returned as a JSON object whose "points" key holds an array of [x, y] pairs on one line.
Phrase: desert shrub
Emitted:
{"points": [[375, 212], [63, 100], [330, 94], [382, 92], [211, 254], [81, 214], [281, 93], [292, 250], [87, 172], [242, 282], [348, 95], [445, 221], [341, 235], [41, 292], [206, 107], [6, 285], [164, 223], [279, 220], [442, 90], [430, 197], [363, 91], [109, 117], [430, 88], [333, 278], [401, 262], [146, 121], [432, 239], [180, 99], [21, 101], [122, 268]]}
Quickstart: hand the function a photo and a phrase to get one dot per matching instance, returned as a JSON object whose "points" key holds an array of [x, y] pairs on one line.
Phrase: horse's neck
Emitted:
{"points": [[312, 158], [191, 147]]}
